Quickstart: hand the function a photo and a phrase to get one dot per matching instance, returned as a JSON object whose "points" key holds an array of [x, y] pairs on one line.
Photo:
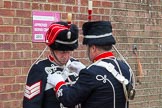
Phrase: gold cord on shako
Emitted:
{"points": [[69, 24]]}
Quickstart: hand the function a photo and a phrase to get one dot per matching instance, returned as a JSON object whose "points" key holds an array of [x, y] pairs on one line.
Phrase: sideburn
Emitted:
{"points": [[88, 51]]}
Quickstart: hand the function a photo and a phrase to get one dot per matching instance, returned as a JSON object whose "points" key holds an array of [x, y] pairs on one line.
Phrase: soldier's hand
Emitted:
{"points": [[76, 66], [55, 78]]}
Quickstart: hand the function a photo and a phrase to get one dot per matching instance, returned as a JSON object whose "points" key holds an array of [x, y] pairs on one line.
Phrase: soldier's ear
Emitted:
{"points": [[93, 48]]}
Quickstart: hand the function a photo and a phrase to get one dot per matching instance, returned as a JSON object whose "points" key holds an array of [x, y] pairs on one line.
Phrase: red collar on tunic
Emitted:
{"points": [[104, 55], [51, 58]]}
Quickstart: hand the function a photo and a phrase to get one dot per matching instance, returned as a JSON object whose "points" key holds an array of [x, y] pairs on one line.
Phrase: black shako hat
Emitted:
{"points": [[61, 36], [98, 33]]}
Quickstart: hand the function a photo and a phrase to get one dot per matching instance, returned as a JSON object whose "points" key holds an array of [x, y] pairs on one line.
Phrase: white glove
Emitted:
{"points": [[55, 78], [76, 66]]}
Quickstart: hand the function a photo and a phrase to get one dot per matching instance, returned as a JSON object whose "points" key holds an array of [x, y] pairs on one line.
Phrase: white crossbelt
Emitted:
{"points": [[110, 67]]}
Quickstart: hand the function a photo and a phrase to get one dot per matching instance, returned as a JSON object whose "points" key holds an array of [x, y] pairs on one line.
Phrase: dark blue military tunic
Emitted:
{"points": [[96, 88], [40, 94]]}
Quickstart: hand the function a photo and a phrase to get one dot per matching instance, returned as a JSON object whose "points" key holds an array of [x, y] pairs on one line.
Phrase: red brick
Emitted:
{"points": [[16, 103], [8, 38], [1, 70], [17, 55], [20, 95], [75, 9], [7, 63], [96, 4], [7, 104], [7, 4], [106, 18], [70, 2], [69, 8], [84, 3], [47, 7], [17, 38], [1, 105], [26, 69], [82, 17], [1, 21], [1, 55], [5, 12], [83, 10], [16, 5], [21, 55], [54, 7], [23, 46], [17, 21], [16, 71], [17, 87], [39, 0], [7, 46], [119, 5], [7, 55], [23, 13], [7, 72], [8, 88], [61, 8], [76, 54], [23, 63], [82, 54], [20, 79], [35, 6], [38, 46], [26, 5], [2, 88], [23, 30], [101, 10], [7, 29], [35, 54], [7, 80], [54, 1], [1, 4]]}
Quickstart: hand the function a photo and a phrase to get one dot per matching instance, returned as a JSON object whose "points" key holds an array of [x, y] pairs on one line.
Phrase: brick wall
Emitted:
{"points": [[135, 23]]}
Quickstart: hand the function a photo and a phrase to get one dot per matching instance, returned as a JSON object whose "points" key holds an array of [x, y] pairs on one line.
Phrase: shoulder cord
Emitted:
{"points": [[119, 77], [130, 69], [40, 55], [124, 86], [36, 60]]}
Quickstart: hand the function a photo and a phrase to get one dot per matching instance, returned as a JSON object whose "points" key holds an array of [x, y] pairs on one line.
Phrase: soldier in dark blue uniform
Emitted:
{"points": [[107, 82], [61, 38]]}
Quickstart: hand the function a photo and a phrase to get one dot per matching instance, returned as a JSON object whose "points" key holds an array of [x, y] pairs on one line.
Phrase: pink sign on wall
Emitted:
{"points": [[41, 22]]}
